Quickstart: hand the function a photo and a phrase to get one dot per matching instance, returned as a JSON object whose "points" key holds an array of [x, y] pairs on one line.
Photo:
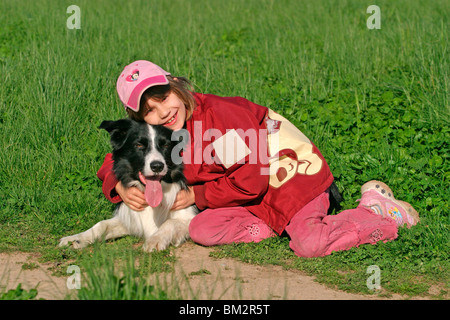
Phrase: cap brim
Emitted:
{"points": [[136, 94]]}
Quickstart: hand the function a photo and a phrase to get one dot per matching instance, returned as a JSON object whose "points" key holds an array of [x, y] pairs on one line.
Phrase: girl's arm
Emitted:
{"points": [[244, 186], [107, 176], [242, 183]]}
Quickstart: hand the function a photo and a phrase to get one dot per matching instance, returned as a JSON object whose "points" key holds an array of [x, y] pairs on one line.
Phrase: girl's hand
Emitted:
{"points": [[133, 197], [184, 199]]}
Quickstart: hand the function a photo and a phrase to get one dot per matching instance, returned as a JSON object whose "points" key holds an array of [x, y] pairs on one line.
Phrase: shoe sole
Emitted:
{"points": [[380, 187]]}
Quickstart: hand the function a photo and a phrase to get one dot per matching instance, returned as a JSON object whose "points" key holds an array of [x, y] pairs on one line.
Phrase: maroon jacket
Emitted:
{"points": [[244, 154]]}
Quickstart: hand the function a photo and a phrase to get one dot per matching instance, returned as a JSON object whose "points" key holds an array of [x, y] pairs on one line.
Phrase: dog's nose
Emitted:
{"points": [[157, 166]]}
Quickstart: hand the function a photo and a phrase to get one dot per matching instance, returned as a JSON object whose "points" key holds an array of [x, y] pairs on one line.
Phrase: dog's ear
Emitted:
{"points": [[118, 131]]}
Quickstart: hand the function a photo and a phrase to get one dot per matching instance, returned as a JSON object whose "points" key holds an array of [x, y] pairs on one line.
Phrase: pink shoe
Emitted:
{"points": [[378, 197]]}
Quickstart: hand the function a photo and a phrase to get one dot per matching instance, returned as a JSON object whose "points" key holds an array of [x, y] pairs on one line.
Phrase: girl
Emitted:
{"points": [[252, 173]]}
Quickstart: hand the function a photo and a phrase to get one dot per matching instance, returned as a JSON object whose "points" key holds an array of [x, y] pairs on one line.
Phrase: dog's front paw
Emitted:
{"points": [[155, 243], [76, 242]]}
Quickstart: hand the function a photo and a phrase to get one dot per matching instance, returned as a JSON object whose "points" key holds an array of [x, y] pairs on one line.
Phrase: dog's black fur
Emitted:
{"points": [[141, 153], [130, 142]]}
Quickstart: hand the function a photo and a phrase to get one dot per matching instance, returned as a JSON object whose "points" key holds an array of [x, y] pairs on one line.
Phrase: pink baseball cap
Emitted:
{"points": [[136, 78]]}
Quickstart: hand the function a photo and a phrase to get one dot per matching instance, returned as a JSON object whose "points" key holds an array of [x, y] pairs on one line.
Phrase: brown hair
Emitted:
{"points": [[178, 85]]}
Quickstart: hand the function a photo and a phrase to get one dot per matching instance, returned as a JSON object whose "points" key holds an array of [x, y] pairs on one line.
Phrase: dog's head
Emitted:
{"points": [[143, 154]]}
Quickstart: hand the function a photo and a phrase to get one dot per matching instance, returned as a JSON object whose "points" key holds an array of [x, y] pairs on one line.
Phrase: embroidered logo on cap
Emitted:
{"points": [[133, 76]]}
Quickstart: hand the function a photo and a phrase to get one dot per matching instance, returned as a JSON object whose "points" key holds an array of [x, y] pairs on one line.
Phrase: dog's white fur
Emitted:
{"points": [[159, 227]]}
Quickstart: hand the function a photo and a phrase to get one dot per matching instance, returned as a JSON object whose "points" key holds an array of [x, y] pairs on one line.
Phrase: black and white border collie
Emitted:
{"points": [[142, 156]]}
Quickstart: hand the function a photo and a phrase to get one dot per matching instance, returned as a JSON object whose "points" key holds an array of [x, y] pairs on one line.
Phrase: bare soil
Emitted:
{"points": [[197, 275]]}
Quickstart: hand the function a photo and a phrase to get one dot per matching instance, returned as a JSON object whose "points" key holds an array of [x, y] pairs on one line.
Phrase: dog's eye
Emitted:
{"points": [[139, 146], [164, 145]]}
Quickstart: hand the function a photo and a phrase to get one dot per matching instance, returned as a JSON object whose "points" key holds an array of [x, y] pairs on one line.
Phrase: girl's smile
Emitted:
{"points": [[172, 120], [169, 111]]}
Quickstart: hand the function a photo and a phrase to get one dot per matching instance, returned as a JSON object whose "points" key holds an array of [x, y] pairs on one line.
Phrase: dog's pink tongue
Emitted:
{"points": [[153, 191]]}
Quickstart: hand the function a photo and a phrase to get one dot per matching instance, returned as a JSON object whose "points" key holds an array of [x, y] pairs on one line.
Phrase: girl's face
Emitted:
{"points": [[169, 112]]}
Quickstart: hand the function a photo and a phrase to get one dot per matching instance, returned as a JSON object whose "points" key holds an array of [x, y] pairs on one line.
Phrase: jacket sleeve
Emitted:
{"points": [[107, 176], [244, 182], [243, 187]]}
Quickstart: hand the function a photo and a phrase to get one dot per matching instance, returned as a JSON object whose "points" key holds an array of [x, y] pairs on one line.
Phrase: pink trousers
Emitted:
{"points": [[312, 232]]}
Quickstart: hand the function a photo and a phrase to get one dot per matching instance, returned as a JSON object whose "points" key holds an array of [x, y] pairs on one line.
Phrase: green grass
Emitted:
{"points": [[374, 101], [122, 276], [19, 294]]}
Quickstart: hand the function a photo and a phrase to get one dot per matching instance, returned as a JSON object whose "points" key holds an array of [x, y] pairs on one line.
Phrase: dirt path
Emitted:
{"points": [[231, 279], [24, 268], [207, 278]]}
